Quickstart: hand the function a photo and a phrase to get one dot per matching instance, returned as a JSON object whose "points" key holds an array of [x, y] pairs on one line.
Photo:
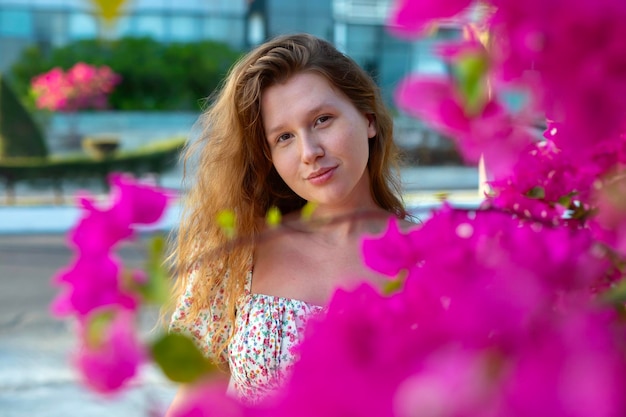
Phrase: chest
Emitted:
{"points": [[310, 270]]}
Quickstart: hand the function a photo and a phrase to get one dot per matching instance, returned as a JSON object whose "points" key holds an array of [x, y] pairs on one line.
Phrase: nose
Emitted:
{"points": [[310, 148]]}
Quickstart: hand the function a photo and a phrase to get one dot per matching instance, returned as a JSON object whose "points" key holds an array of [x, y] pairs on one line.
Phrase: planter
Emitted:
{"points": [[102, 146]]}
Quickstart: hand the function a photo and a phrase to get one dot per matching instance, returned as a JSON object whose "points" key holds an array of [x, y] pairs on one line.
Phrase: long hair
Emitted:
{"points": [[235, 172]]}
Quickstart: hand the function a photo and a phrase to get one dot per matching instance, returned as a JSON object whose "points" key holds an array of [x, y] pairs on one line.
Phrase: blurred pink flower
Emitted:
{"points": [[609, 223], [110, 356], [408, 18], [570, 366], [492, 132], [473, 377], [487, 288], [136, 203], [99, 230], [208, 398], [91, 282], [390, 253], [82, 86], [352, 360], [576, 49]]}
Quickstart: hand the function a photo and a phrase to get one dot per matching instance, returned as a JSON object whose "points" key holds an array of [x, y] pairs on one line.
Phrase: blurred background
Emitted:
{"points": [[169, 55]]}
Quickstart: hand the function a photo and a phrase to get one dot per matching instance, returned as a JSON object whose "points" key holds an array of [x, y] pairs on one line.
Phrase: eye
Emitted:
{"points": [[283, 137], [321, 120]]}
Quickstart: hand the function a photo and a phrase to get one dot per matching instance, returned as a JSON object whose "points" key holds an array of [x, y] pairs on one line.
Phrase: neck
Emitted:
{"points": [[342, 226]]}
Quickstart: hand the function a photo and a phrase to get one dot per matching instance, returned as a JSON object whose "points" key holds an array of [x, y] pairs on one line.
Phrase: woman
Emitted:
{"points": [[296, 126]]}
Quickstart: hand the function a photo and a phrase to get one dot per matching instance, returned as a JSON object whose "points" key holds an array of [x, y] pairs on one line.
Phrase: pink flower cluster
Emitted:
{"points": [[570, 55], [98, 292], [495, 318], [575, 51], [570, 58], [82, 86]]}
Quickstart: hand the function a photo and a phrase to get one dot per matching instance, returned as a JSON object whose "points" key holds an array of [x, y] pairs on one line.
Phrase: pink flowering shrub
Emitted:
{"points": [[98, 292], [82, 86]]}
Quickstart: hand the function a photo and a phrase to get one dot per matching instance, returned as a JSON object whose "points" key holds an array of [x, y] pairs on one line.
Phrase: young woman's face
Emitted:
{"points": [[318, 141]]}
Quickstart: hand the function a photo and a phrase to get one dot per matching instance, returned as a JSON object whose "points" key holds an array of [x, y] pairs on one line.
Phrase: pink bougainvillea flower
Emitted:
{"points": [[110, 356], [547, 184], [133, 204], [472, 376], [408, 18], [94, 279], [512, 267], [488, 288], [567, 43], [609, 224], [92, 282], [354, 359], [98, 231], [137, 203], [542, 185], [391, 253], [571, 366], [208, 398], [492, 132]]}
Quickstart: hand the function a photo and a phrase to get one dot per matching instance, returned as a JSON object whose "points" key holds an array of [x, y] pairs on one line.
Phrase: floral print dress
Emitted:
{"points": [[261, 351]]}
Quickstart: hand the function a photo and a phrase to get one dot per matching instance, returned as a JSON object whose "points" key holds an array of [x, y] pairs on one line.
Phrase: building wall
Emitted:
{"points": [[52, 23], [290, 16]]}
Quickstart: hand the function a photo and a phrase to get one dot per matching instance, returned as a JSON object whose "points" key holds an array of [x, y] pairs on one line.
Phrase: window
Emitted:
{"points": [[148, 25], [17, 23], [184, 29], [82, 26]]}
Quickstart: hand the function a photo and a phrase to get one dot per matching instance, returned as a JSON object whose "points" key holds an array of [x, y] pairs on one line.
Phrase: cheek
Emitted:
{"points": [[283, 164]]}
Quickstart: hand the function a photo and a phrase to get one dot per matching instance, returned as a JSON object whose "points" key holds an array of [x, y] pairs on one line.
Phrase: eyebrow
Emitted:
{"points": [[312, 111]]}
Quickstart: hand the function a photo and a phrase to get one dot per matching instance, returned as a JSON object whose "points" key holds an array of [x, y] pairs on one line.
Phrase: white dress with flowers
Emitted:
{"points": [[261, 351]]}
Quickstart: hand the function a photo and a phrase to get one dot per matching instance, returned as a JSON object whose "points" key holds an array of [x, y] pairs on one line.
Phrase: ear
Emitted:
{"points": [[371, 125]]}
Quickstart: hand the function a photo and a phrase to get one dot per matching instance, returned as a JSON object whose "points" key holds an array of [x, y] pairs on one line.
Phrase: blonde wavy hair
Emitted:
{"points": [[235, 171]]}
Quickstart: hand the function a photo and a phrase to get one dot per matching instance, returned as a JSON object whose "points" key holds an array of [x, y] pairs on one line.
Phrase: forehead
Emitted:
{"points": [[300, 94]]}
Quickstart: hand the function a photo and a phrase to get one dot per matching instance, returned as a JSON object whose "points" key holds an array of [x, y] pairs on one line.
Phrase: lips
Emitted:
{"points": [[321, 175]]}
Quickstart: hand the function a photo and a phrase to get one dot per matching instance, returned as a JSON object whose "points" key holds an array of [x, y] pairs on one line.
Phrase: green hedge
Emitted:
{"points": [[20, 136], [155, 76], [155, 158]]}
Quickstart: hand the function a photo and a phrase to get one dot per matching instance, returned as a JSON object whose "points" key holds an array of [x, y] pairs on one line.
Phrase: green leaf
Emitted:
{"points": [[470, 73], [391, 287], [227, 220], [565, 201], [273, 217], [307, 211], [156, 289], [97, 325], [180, 359], [616, 295], [394, 285], [536, 193]]}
